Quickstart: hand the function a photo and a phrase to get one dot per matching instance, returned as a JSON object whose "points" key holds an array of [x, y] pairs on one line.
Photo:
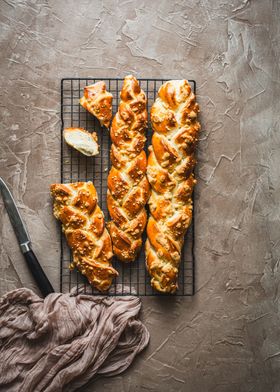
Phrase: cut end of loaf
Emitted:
{"points": [[81, 140]]}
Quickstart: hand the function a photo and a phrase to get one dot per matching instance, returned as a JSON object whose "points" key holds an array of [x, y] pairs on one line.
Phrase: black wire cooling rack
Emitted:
{"points": [[133, 278]]}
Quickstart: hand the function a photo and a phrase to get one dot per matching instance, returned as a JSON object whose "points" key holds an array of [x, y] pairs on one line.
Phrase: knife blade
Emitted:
{"points": [[24, 240], [15, 218]]}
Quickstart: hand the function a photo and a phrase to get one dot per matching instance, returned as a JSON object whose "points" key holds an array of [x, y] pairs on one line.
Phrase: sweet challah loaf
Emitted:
{"points": [[98, 102], [128, 187], [170, 172], [75, 205]]}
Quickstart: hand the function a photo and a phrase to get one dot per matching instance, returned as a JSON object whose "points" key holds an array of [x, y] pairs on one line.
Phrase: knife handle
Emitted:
{"points": [[38, 273]]}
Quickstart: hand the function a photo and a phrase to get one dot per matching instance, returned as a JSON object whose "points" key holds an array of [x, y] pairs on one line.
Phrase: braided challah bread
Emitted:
{"points": [[170, 172], [128, 187], [98, 102], [75, 205]]}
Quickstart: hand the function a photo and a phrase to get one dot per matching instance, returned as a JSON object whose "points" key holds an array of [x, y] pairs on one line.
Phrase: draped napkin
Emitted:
{"points": [[61, 342]]}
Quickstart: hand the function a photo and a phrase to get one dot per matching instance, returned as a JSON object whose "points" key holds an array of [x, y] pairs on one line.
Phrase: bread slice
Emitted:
{"points": [[81, 140]]}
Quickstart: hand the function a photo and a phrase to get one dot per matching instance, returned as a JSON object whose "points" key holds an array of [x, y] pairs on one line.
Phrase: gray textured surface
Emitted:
{"points": [[227, 337]]}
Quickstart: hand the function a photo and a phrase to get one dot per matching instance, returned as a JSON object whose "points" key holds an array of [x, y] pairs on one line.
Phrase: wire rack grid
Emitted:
{"points": [[133, 278]]}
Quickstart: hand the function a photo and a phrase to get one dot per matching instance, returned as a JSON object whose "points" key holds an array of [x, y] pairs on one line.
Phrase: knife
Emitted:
{"points": [[24, 241]]}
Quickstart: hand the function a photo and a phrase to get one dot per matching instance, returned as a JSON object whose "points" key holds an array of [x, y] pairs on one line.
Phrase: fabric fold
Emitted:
{"points": [[62, 342]]}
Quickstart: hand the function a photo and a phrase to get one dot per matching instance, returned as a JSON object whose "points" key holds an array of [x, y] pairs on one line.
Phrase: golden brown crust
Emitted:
{"points": [[128, 187], [170, 173], [98, 102], [75, 205]]}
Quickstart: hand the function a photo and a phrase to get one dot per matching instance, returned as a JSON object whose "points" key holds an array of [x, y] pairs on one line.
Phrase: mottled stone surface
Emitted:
{"points": [[226, 338]]}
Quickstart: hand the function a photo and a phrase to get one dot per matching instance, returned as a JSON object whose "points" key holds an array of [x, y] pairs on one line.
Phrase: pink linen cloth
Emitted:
{"points": [[61, 342]]}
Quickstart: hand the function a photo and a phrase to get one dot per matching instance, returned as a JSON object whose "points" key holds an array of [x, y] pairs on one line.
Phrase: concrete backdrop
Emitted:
{"points": [[226, 338]]}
